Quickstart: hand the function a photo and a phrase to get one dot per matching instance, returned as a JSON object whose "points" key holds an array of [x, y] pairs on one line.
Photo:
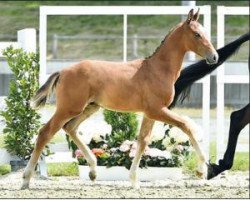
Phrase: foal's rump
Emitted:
{"points": [[109, 84]]}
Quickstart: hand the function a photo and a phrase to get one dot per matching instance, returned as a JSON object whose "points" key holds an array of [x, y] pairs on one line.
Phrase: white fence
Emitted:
{"points": [[26, 39], [134, 39], [222, 79]]}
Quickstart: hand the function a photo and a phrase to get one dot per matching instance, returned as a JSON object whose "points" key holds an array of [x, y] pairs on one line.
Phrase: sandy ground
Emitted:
{"points": [[233, 185]]}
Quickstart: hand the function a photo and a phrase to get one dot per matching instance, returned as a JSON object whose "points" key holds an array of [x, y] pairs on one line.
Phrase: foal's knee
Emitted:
{"points": [[144, 140], [69, 128]]}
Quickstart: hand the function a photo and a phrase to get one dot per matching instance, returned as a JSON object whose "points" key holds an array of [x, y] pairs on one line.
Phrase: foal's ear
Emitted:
{"points": [[190, 16], [196, 15]]}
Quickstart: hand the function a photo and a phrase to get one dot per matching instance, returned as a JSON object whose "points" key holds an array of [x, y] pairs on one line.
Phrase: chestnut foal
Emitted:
{"points": [[137, 86]]}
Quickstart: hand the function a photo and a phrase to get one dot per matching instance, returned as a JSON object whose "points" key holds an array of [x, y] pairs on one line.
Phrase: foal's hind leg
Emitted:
{"points": [[169, 117], [71, 129], [44, 136], [143, 139]]}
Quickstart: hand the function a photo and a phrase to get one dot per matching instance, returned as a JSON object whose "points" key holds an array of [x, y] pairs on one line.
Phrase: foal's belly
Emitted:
{"points": [[121, 108], [120, 100]]}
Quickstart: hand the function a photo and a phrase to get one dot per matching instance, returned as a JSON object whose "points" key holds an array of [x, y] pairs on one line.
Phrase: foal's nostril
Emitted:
{"points": [[214, 57]]}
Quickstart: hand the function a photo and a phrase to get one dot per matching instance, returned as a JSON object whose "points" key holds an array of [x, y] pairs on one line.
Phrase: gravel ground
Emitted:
{"points": [[233, 185]]}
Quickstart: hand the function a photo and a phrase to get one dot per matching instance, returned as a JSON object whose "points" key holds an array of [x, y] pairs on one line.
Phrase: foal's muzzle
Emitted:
{"points": [[212, 58]]}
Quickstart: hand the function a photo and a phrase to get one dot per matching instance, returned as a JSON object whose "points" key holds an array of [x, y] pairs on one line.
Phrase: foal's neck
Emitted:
{"points": [[169, 56]]}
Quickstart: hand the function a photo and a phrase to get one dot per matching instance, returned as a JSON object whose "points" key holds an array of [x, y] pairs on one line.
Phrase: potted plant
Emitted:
{"points": [[115, 151], [21, 121], [161, 159]]}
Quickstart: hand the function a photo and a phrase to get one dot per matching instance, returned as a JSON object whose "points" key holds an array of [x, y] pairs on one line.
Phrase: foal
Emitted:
{"points": [[137, 86]]}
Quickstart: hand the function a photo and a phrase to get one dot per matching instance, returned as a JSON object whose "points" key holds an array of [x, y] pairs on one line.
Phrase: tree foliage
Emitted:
{"points": [[22, 122]]}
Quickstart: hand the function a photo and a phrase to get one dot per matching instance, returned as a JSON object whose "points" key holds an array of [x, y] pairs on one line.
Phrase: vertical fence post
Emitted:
{"points": [[189, 55], [54, 45], [206, 90], [43, 44], [125, 37], [26, 39], [220, 86], [135, 46]]}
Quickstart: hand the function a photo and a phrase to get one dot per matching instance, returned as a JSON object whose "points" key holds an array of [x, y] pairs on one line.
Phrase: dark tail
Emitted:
{"points": [[42, 94], [200, 69]]}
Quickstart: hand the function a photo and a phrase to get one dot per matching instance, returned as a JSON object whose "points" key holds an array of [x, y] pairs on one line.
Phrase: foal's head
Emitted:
{"points": [[196, 39]]}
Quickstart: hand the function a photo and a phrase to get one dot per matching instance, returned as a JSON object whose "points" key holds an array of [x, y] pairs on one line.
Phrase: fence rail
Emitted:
{"points": [[134, 40]]}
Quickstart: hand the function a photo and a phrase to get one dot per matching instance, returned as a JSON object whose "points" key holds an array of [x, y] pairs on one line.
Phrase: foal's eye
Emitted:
{"points": [[197, 35]]}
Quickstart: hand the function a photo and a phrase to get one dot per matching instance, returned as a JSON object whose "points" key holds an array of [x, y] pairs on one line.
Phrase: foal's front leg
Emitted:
{"points": [[165, 115], [143, 139]]}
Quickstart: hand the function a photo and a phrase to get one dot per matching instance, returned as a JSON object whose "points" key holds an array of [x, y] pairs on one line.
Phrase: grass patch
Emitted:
{"points": [[197, 112], [4, 169], [241, 160], [63, 169], [54, 169]]}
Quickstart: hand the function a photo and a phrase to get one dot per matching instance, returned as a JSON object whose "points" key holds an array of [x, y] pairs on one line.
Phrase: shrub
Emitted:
{"points": [[124, 127], [22, 122]]}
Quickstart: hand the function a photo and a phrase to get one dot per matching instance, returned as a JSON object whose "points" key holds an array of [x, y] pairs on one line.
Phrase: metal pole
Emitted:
{"points": [[54, 46], [220, 137], [135, 46], [125, 35], [206, 92], [43, 45]]}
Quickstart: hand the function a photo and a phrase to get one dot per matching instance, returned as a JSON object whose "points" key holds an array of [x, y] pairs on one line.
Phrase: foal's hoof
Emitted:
{"points": [[201, 171], [211, 171], [135, 185], [200, 175], [134, 181], [92, 175]]}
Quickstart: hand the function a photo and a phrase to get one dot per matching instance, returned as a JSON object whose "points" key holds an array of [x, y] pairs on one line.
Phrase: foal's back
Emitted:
{"points": [[114, 85]]}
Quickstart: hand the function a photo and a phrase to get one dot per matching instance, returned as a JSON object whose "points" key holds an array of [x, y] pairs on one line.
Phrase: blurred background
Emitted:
{"points": [[74, 38]]}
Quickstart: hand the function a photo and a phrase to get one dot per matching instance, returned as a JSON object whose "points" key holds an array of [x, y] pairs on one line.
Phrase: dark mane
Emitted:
{"points": [[162, 42]]}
